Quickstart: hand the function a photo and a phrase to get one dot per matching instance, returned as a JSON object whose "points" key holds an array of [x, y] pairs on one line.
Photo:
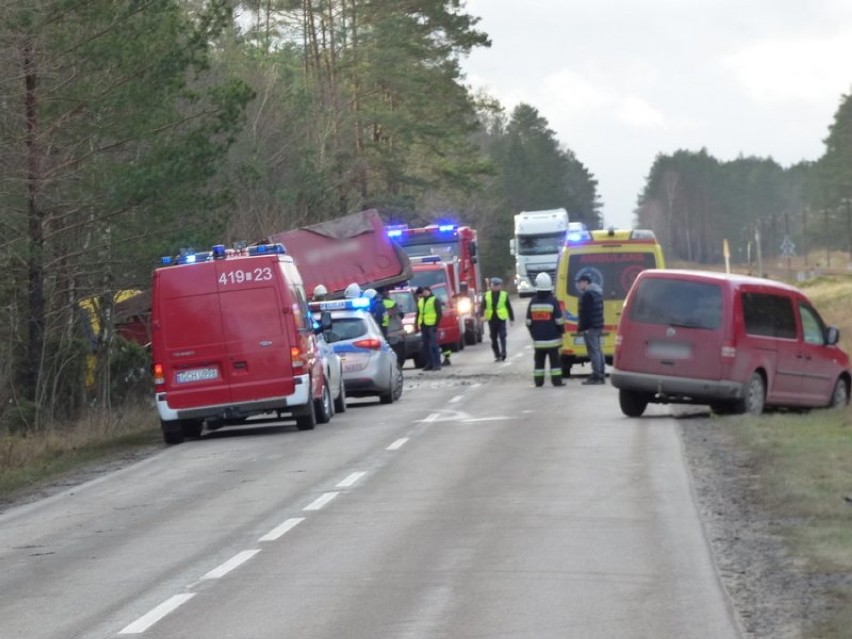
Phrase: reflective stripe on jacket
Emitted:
{"points": [[544, 321], [502, 305]]}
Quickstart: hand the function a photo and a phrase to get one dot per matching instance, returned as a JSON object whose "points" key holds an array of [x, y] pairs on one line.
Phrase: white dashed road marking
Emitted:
{"points": [[320, 501], [399, 443], [351, 480], [282, 529], [234, 562], [147, 620]]}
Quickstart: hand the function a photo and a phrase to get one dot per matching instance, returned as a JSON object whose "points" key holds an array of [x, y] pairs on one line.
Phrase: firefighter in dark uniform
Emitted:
{"points": [[546, 326]]}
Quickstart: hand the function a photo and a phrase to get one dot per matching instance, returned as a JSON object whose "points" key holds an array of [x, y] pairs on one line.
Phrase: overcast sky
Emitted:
{"points": [[620, 81]]}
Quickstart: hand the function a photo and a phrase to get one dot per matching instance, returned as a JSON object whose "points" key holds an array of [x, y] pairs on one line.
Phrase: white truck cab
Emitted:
{"points": [[539, 237]]}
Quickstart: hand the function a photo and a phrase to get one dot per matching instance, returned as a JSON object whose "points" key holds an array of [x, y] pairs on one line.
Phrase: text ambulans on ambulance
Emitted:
{"points": [[612, 258], [232, 337]]}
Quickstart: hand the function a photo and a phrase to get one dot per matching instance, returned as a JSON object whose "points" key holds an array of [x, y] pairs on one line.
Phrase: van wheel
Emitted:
{"points": [[340, 402], [191, 428], [633, 404], [307, 420], [755, 396], [172, 431], [840, 396], [322, 407]]}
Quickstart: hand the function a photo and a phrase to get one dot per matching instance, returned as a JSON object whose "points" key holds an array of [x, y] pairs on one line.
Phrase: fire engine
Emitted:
{"points": [[456, 246]]}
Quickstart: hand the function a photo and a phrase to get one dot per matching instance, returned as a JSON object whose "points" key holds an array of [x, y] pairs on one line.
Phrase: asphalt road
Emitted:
{"points": [[477, 506]]}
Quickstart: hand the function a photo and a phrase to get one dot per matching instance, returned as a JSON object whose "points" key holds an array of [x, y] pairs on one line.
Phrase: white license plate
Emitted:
{"points": [[669, 350], [197, 375]]}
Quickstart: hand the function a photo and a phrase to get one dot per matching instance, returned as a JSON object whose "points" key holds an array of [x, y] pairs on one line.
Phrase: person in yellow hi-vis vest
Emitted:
{"points": [[429, 312], [498, 310]]}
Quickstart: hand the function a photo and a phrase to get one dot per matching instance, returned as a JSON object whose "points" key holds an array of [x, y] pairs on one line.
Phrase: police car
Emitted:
{"points": [[369, 364]]}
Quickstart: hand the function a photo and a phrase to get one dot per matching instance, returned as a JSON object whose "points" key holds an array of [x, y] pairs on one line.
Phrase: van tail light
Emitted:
{"points": [[297, 360], [159, 375], [729, 351], [370, 344]]}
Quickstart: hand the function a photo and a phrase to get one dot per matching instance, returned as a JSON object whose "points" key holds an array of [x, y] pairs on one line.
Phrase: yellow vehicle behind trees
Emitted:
{"points": [[612, 258]]}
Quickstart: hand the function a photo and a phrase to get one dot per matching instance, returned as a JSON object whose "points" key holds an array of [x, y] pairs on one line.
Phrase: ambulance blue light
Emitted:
{"points": [[578, 236]]}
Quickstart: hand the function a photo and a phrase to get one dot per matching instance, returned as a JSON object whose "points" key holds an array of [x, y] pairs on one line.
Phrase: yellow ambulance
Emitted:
{"points": [[612, 258]]}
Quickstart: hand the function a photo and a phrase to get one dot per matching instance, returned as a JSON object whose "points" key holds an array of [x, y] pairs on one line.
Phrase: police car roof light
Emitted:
{"points": [[446, 227], [394, 232]]}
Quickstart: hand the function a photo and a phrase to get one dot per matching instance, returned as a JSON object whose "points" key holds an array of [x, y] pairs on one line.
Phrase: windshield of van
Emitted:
{"points": [[543, 244], [678, 303], [613, 272]]}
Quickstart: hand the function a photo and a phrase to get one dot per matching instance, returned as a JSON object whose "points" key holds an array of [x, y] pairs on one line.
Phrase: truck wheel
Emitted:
{"points": [[172, 432], [308, 419], [322, 407], [632, 404], [340, 402]]}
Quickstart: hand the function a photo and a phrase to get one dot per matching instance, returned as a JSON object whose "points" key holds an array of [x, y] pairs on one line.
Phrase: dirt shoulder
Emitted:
{"points": [[773, 595]]}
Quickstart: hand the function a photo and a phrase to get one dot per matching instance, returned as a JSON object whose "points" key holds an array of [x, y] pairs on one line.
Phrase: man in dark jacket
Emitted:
{"points": [[590, 325], [546, 325], [429, 310]]}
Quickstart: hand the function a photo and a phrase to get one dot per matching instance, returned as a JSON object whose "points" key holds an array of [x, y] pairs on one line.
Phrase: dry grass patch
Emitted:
{"points": [[29, 461]]}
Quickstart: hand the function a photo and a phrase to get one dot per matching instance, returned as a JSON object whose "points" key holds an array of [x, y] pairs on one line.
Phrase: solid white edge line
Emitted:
{"points": [[234, 562], [153, 616], [351, 480], [320, 501], [399, 443], [282, 529], [455, 399]]}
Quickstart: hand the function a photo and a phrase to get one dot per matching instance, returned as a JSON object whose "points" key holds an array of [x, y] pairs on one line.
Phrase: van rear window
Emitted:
{"points": [[614, 272], [769, 315], [678, 303]]}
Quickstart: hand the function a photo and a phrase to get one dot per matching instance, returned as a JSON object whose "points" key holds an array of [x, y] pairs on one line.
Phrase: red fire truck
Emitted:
{"points": [[456, 246]]}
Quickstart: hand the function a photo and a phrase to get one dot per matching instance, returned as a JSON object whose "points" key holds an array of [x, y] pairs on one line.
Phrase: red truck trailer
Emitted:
{"points": [[455, 245], [352, 248]]}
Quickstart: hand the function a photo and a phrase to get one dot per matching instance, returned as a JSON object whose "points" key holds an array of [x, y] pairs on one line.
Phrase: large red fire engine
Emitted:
{"points": [[456, 246]]}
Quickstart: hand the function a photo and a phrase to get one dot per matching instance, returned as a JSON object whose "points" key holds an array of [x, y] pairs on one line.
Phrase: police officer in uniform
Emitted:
{"points": [[429, 311], [498, 310], [546, 326]]}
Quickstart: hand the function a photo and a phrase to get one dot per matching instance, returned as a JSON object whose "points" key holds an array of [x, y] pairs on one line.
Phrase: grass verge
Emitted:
{"points": [[803, 467], [30, 462]]}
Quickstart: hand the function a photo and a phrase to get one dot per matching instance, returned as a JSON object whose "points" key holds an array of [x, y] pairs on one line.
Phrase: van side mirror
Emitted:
{"points": [[832, 335]]}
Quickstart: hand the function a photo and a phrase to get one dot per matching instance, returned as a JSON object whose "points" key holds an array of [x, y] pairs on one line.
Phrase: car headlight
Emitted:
{"points": [[408, 328], [464, 305]]}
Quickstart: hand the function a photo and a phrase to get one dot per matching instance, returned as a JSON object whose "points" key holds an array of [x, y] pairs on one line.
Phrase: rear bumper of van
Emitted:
{"points": [[677, 388], [298, 399]]}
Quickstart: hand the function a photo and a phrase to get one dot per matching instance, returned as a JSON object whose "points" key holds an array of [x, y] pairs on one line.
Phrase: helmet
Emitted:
{"points": [[370, 293], [320, 291], [352, 291], [543, 282]]}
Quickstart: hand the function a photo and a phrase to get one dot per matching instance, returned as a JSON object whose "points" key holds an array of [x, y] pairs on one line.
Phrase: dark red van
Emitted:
{"points": [[232, 337], [734, 342]]}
